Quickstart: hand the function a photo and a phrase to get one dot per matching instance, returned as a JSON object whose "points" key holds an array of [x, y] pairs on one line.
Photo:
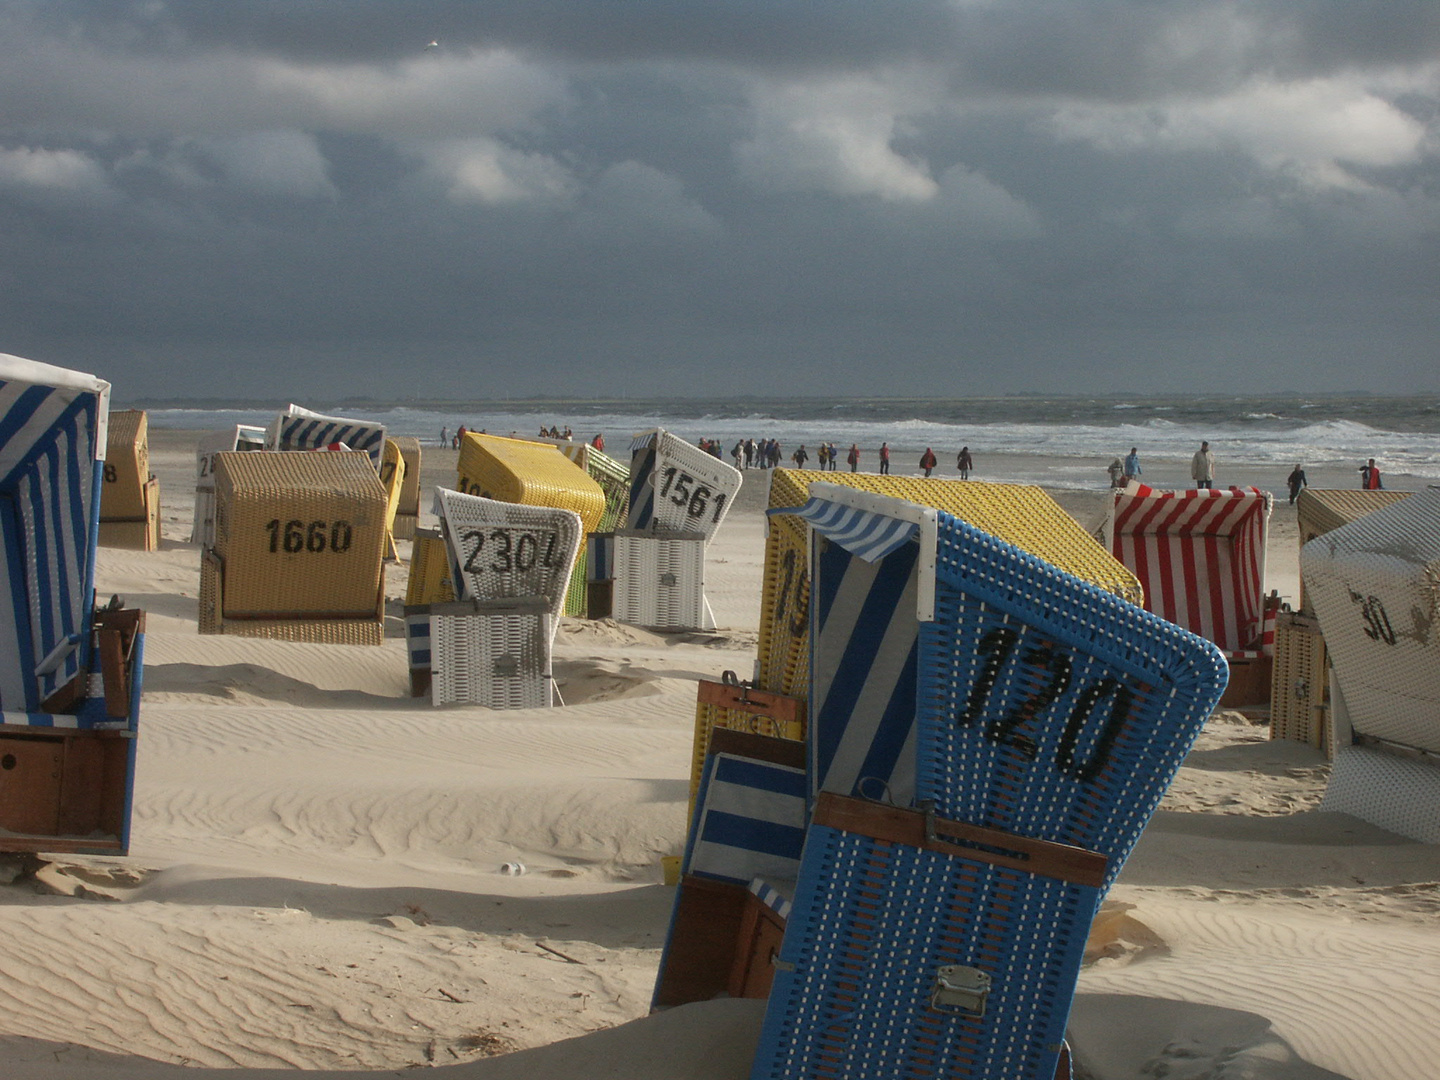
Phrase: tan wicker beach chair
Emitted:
{"points": [[130, 497], [407, 514], [299, 548]]}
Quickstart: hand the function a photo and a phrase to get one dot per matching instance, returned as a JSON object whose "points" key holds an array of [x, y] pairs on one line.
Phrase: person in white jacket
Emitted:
{"points": [[1202, 466]]}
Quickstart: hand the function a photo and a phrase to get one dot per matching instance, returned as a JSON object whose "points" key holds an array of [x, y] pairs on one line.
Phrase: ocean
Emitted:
{"points": [[1060, 442]]}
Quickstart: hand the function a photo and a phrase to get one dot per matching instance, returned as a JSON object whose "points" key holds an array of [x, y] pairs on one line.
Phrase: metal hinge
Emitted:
{"points": [[960, 987]]}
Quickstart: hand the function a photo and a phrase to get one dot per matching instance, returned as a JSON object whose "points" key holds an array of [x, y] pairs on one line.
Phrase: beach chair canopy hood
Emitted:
{"points": [[52, 432], [1200, 556]]}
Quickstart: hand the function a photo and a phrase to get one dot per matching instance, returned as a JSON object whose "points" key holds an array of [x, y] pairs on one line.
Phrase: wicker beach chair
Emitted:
{"points": [[1037, 721], [528, 474], [239, 437], [70, 676], [1375, 585], [407, 512], [130, 496], [1318, 510], [614, 481], [516, 562], [299, 549], [1020, 514], [300, 429], [392, 478]]}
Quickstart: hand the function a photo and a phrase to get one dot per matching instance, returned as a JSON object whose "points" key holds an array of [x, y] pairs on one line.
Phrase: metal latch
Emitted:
{"points": [[507, 667], [669, 579], [959, 987]]}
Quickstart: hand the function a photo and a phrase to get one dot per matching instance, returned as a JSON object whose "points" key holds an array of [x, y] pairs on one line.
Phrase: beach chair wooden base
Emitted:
{"points": [[920, 947], [703, 945], [599, 599], [63, 789], [1249, 685]]}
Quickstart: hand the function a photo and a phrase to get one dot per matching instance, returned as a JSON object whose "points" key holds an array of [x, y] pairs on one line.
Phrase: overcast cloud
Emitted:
{"points": [[300, 198]]}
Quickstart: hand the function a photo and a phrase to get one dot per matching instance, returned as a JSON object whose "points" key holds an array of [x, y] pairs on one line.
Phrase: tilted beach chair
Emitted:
{"points": [[239, 437], [70, 676], [959, 846], [1200, 555], [1375, 586], [299, 548], [130, 496], [300, 429], [1319, 510], [1021, 514], [676, 487]]}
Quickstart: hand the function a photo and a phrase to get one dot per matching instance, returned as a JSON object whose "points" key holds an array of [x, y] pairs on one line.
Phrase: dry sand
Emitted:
{"points": [[316, 877]]}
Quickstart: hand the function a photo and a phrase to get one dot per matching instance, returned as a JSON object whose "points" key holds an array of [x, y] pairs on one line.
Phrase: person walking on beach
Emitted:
{"points": [[1132, 464], [800, 457], [1202, 467], [1370, 477], [1296, 480], [927, 460], [884, 459], [444, 436], [853, 457], [964, 462]]}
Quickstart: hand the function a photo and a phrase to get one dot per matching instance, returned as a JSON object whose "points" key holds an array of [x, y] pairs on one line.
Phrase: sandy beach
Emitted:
{"points": [[318, 872]]}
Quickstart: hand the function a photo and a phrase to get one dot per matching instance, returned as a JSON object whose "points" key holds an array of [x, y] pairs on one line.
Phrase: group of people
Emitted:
{"points": [[1202, 471]]}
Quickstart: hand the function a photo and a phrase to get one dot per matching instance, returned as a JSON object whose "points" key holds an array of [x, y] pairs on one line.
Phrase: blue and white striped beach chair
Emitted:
{"points": [[300, 429], [68, 747], [1035, 722]]}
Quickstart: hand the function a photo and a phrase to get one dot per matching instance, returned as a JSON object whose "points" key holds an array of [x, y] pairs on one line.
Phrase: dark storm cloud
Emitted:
{"points": [[870, 197]]}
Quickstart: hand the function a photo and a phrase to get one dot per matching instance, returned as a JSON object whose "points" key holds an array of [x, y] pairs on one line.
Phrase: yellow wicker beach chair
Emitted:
{"points": [[392, 476], [614, 481], [130, 497], [1020, 514], [299, 548], [407, 514], [529, 474]]}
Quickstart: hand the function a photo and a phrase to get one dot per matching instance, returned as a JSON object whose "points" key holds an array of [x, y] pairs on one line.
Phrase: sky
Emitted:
{"points": [[477, 199]]}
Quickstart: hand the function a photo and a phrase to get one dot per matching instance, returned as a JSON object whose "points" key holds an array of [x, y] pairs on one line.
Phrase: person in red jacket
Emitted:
{"points": [[1370, 476], [927, 460]]}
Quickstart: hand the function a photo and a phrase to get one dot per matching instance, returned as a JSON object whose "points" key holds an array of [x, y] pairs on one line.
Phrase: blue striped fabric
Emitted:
{"points": [[749, 820], [863, 533], [301, 429], [863, 641], [49, 503], [417, 638], [642, 472], [600, 565]]}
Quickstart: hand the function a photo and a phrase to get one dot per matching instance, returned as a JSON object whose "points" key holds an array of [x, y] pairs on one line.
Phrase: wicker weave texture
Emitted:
{"points": [[660, 582], [1375, 585], [1020, 514], [873, 923], [1400, 794], [504, 550], [430, 572], [361, 630], [1047, 707], [1298, 681], [300, 534], [127, 466], [529, 474], [1319, 510], [497, 656], [614, 481]]}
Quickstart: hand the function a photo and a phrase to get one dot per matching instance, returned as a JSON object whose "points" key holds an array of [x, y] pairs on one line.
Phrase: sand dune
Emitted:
{"points": [[326, 874]]}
